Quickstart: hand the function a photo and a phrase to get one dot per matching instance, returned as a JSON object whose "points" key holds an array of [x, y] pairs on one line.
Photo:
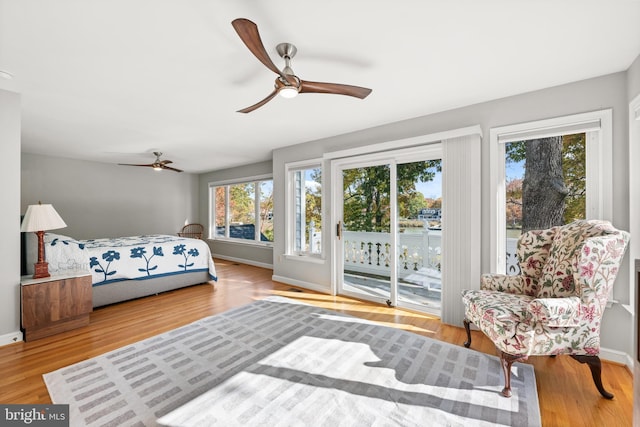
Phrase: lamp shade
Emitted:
{"points": [[40, 218]]}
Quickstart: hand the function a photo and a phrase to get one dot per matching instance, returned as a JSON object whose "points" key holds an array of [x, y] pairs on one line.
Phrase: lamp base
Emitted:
{"points": [[41, 269]]}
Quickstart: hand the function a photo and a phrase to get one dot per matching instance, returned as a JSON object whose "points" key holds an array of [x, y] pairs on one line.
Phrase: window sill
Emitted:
{"points": [[243, 242], [305, 258]]}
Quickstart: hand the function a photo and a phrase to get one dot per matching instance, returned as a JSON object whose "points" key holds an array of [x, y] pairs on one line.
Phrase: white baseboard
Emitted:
{"points": [[301, 284], [11, 338], [616, 357], [243, 261]]}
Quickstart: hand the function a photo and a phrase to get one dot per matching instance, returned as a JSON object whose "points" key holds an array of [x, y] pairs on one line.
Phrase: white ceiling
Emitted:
{"points": [[112, 81]]}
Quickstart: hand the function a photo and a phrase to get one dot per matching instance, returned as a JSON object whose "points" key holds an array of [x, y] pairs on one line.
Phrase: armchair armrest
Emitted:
{"points": [[555, 312], [519, 285]]}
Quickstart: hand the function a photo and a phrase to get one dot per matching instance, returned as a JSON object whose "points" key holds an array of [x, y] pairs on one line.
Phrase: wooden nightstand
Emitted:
{"points": [[55, 304]]}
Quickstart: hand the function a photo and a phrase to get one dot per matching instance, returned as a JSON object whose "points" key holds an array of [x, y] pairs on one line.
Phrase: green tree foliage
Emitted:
{"points": [[241, 203], [313, 205], [367, 192], [266, 211], [575, 176], [433, 203]]}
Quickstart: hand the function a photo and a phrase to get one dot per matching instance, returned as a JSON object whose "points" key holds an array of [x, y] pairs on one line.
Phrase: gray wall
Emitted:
{"points": [[106, 200], [633, 79], [9, 216], [608, 91], [256, 255], [633, 90]]}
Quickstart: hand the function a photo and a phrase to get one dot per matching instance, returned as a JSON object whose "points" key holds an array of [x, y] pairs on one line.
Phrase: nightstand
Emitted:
{"points": [[55, 304]]}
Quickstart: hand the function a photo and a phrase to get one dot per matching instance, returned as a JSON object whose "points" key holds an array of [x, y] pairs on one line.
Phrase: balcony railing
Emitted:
{"points": [[418, 259]]}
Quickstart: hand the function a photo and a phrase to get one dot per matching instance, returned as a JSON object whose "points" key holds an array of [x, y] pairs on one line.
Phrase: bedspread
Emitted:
{"points": [[125, 258]]}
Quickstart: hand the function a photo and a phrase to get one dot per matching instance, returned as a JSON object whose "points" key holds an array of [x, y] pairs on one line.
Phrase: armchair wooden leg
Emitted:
{"points": [[506, 360], [596, 372], [467, 343]]}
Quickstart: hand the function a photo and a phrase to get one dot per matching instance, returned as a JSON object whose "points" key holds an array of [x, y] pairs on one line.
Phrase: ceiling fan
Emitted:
{"points": [[157, 165], [287, 83]]}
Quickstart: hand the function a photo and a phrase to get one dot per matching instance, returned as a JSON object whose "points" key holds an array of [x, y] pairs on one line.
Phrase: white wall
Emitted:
{"points": [[10, 217], [107, 200], [594, 94], [254, 255]]}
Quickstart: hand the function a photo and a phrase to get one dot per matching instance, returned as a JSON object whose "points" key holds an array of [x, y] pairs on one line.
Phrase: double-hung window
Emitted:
{"points": [[569, 177], [242, 210], [304, 208]]}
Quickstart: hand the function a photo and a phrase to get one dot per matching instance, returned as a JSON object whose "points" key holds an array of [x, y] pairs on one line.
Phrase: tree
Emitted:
{"points": [[543, 189], [266, 212], [241, 203], [366, 198], [514, 202], [220, 207], [313, 199], [367, 192], [553, 190], [575, 174], [410, 204], [433, 203]]}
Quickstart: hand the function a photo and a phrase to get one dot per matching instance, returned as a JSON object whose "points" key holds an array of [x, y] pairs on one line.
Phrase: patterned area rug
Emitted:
{"points": [[278, 362]]}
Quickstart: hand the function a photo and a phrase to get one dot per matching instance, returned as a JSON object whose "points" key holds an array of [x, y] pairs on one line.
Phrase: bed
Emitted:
{"points": [[125, 268]]}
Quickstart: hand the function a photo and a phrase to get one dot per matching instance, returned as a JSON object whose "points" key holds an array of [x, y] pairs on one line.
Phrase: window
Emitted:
{"points": [[304, 222], [582, 174], [545, 186], [243, 210]]}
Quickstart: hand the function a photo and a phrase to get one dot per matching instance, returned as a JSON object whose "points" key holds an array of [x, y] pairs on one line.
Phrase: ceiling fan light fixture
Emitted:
{"points": [[288, 92]]}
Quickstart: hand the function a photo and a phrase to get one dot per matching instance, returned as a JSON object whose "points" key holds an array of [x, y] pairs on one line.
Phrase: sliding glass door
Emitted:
{"points": [[366, 231], [388, 228]]}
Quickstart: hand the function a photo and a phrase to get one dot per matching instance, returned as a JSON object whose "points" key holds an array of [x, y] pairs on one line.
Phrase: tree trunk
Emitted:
{"points": [[543, 189]]}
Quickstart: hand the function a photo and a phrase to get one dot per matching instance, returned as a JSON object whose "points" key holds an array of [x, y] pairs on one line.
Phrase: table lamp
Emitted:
{"points": [[38, 219]]}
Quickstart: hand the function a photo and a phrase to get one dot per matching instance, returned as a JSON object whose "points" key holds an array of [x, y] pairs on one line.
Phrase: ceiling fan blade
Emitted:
{"points": [[165, 162], [259, 104], [248, 32], [333, 88], [130, 164], [171, 169]]}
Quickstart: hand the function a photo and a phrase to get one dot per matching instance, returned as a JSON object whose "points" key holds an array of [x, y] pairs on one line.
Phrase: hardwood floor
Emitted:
{"points": [[565, 388]]}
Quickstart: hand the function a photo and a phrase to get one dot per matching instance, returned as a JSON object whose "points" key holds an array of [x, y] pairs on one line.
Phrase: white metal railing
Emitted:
{"points": [[418, 258], [512, 267]]}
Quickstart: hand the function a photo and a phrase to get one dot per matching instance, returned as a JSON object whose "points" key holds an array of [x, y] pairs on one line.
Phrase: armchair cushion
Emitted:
{"points": [[497, 314], [555, 312]]}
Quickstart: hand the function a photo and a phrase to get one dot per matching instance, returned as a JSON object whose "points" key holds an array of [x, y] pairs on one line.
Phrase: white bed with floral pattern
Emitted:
{"points": [[131, 267]]}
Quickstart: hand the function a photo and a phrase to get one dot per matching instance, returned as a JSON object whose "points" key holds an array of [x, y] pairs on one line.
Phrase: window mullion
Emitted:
{"points": [[256, 210], [227, 212]]}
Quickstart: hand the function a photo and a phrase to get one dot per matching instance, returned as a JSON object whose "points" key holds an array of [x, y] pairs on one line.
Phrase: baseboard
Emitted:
{"points": [[301, 284], [243, 261], [616, 356], [11, 338]]}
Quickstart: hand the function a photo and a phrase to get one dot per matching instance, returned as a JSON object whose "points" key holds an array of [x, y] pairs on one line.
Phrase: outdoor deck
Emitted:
{"points": [[367, 265]]}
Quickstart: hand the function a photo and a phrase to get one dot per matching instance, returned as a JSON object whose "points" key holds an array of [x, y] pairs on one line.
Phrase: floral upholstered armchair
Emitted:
{"points": [[555, 305]]}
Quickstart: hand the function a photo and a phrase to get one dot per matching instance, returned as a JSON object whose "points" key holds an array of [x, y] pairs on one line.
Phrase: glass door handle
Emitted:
{"points": [[339, 230]]}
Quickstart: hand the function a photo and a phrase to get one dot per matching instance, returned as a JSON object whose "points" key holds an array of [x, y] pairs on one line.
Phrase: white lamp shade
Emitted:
{"points": [[41, 218]]}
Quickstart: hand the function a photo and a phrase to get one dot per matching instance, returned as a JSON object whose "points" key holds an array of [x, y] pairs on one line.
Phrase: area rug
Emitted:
{"points": [[278, 362]]}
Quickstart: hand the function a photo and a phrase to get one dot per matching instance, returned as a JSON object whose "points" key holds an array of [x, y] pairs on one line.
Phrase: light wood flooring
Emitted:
{"points": [[566, 391]]}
